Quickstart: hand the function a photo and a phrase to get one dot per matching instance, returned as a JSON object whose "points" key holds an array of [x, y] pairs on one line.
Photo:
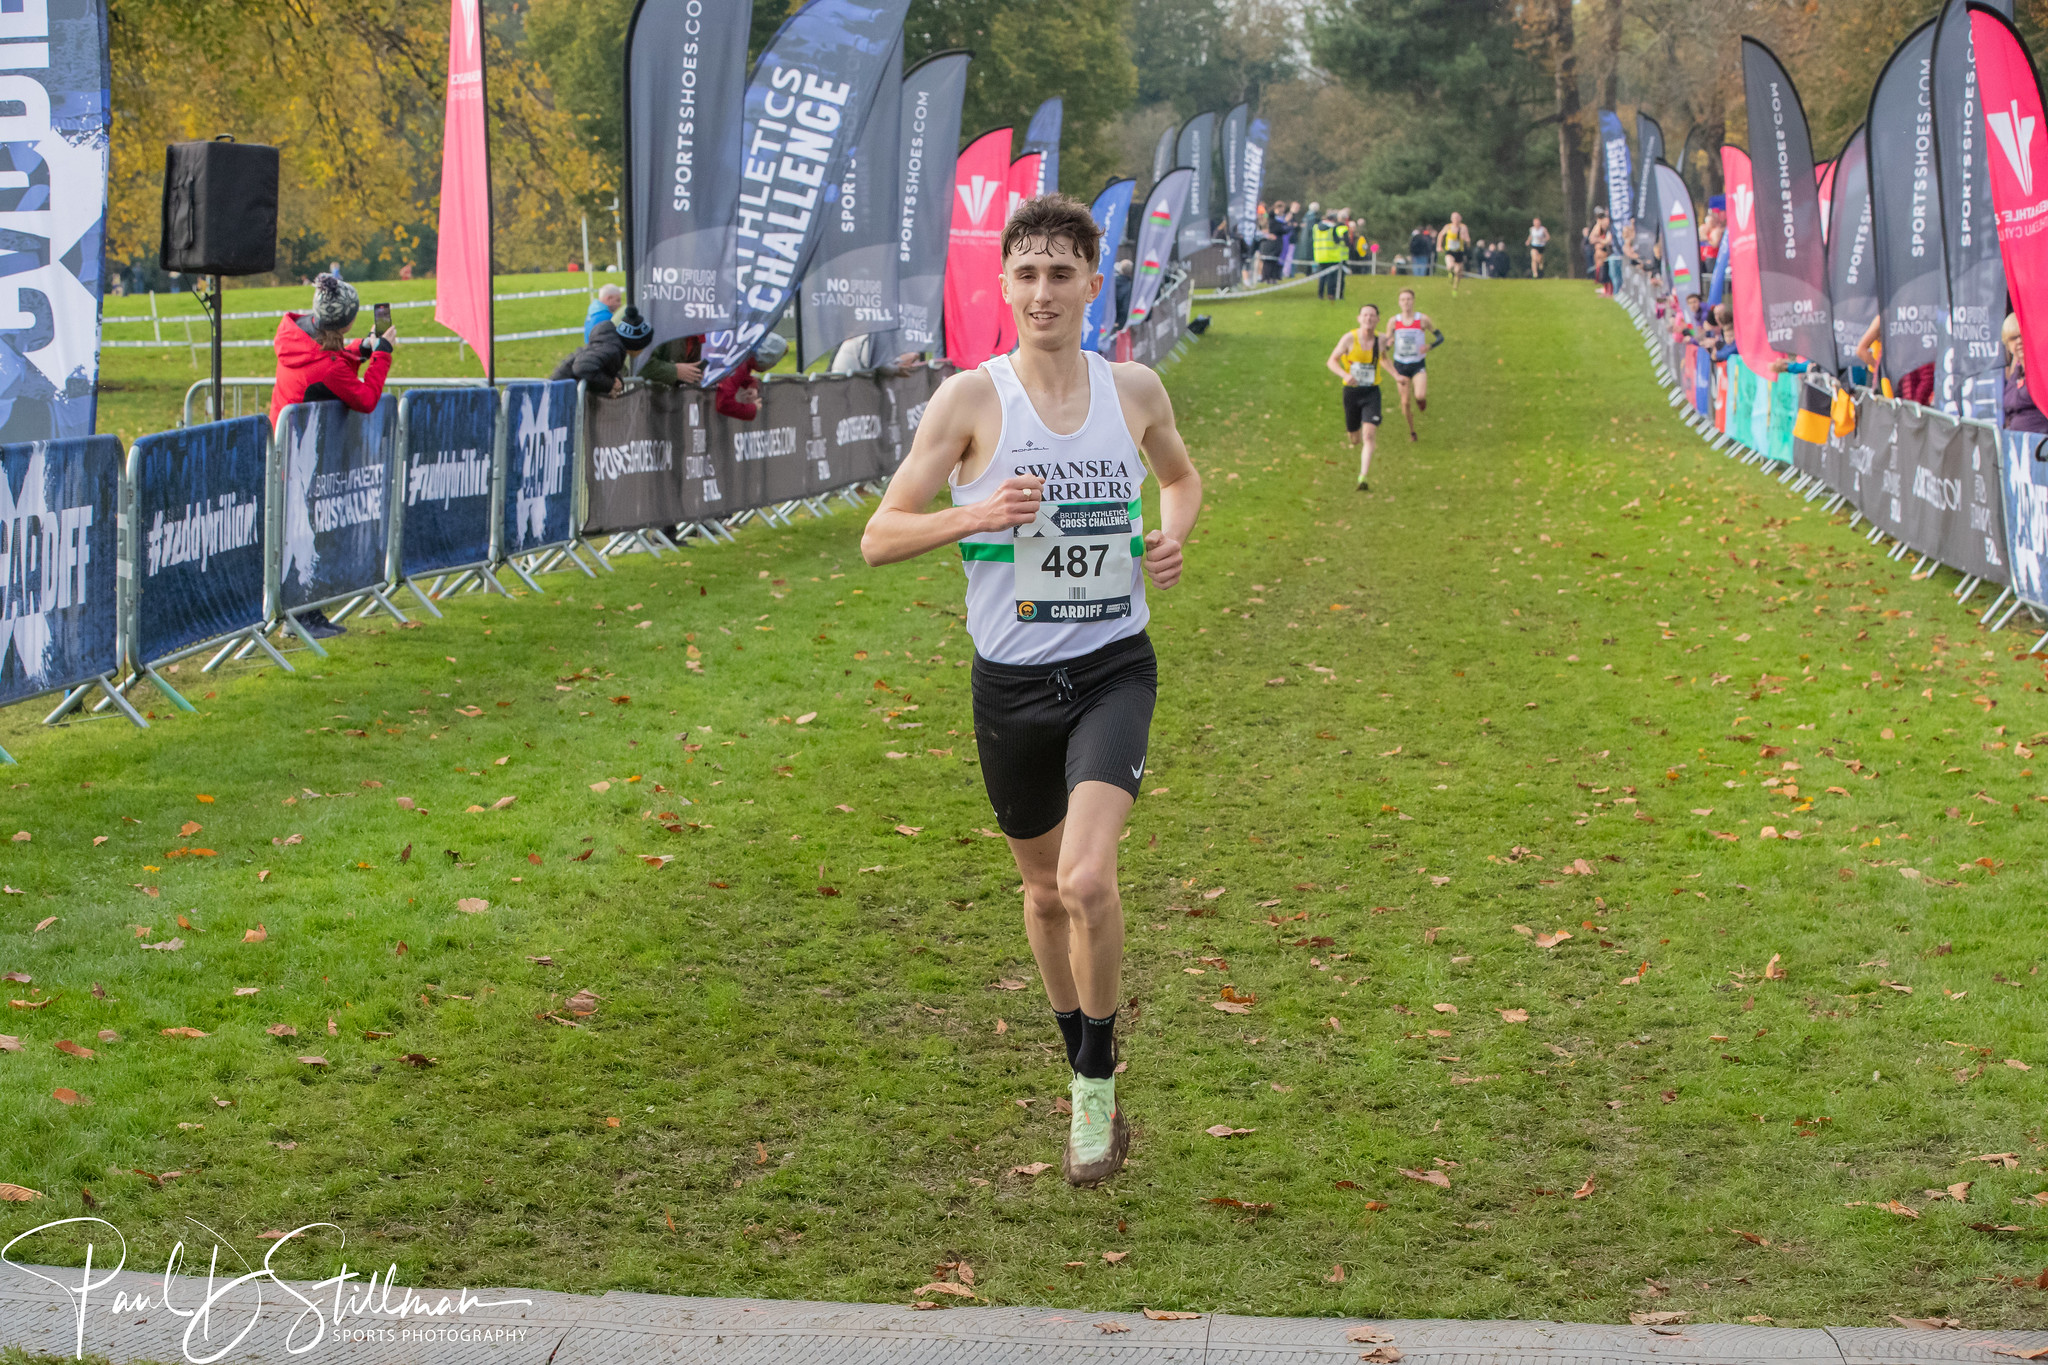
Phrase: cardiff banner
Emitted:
{"points": [[198, 515], [1111, 211], [849, 288], [1156, 235], [335, 466], [929, 125], [686, 82], [1680, 233], [2018, 160], [1791, 260], [808, 99], [1615, 164], [1233, 167], [1969, 358], [1042, 138], [446, 440], [1196, 149], [974, 255], [1852, 257], [53, 189], [1739, 245], [540, 426], [1649, 152], [60, 508], [1912, 282]]}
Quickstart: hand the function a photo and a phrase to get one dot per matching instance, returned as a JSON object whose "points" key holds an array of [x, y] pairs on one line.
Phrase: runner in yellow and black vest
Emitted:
{"points": [[1328, 237]]}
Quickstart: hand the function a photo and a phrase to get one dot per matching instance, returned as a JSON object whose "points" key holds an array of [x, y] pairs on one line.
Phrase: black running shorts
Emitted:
{"points": [[1408, 369], [1361, 405], [1043, 730]]}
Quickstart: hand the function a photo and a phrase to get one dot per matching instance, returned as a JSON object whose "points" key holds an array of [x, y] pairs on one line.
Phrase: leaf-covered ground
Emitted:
{"points": [[1562, 671]]}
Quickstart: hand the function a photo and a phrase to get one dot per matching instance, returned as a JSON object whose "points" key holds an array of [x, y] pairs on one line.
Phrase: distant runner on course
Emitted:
{"points": [[1539, 238], [1410, 350], [1044, 451], [1356, 361], [1454, 242]]}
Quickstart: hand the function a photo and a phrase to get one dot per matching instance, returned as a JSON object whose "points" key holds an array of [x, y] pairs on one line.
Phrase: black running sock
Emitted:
{"points": [[1096, 1058], [1070, 1029]]}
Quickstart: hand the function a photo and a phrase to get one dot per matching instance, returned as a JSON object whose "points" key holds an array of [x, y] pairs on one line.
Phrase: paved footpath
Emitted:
{"points": [[627, 1329]]}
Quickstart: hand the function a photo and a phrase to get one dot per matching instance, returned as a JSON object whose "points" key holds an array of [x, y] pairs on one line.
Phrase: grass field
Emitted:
{"points": [[1562, 670], [143, 388]]}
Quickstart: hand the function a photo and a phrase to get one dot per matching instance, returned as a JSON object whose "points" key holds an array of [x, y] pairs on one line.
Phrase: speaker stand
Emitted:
{"points": [[209, 303]]}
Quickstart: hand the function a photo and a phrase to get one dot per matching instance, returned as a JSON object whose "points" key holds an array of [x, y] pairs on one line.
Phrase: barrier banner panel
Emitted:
{"points": [[1701, 363], [1962, 486], [1865, 454], [1154, 335], [198, 508], [706, 483], [630, 477], [540, 424], [847, 440], [335, 465], [446, 473], [59, 529], [1742, 402], [2023, 469], [905, 396], [768, 456]]}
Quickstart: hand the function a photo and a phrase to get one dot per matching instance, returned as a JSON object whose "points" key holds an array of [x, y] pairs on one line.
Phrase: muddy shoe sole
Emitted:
{"points": [[1111, 1161]]}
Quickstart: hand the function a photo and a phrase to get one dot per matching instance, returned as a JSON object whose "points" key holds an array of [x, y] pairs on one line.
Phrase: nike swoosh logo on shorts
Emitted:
{"points": [[1138, 771]]}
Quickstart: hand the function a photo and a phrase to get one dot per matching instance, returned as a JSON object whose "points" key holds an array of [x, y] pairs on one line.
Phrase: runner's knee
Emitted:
{"points": [[1089, 892]]}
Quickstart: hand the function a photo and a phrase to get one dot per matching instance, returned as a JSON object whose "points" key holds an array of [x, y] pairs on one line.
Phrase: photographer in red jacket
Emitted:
{"points": [[316, 360]]}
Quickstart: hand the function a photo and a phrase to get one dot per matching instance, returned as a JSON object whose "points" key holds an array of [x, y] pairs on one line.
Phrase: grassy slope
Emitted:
{"points": [[1557, 600]]}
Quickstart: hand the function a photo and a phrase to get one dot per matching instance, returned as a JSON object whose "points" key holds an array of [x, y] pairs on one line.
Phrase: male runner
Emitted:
{"points": [[1356, 360], [1410, 351], [1454, 241], [1539, 238], [1044, 451]]}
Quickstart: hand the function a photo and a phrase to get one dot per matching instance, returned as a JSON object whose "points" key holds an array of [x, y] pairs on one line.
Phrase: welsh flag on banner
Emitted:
{"points": [[1683, 280], [2019, 167]]}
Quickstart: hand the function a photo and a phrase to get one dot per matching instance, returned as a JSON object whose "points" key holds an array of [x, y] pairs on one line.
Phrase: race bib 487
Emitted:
{"points": [[1074, 562]]}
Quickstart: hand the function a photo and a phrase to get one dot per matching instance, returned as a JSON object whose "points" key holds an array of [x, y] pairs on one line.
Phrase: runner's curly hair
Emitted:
{"points": [[1053, 218]]}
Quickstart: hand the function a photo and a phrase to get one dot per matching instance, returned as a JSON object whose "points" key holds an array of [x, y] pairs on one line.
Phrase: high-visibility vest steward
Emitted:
{"points": [[1328, 243]]}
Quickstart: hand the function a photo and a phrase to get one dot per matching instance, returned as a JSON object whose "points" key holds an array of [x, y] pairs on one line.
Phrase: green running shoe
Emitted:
{"points": [[1099, 1138]]}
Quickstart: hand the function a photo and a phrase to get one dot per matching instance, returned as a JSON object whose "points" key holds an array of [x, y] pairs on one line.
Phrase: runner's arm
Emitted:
{"points": [[1430, 323], [901, 529], [1180, 486], [1335, 351]]}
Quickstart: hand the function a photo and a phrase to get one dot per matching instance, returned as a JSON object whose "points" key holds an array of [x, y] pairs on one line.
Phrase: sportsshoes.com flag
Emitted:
{"points": [[1852, 253], [929, 125], [1649, 151], [1791, 259], [1912, 281], [1970, 358], [1233, 165], [686, 85], [1196, 149]]}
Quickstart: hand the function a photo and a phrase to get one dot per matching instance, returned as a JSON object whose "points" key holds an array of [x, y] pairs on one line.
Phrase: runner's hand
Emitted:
{"points": [[1014, 503], [1162, 559]]}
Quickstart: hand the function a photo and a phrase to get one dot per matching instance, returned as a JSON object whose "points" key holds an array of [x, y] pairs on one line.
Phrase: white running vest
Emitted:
{"points": [[1073, 580]]}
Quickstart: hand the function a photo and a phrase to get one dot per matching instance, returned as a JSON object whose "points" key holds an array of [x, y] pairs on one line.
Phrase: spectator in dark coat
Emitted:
{"points": [[600, 364], [1123, 292]]}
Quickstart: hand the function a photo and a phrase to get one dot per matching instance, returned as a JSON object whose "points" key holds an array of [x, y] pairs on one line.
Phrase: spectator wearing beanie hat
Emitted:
{"points": [[316, 360], [600, 364]]}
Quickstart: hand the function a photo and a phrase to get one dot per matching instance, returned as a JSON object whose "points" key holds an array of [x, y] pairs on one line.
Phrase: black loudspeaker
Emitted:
{"points": [[220, 208]]}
